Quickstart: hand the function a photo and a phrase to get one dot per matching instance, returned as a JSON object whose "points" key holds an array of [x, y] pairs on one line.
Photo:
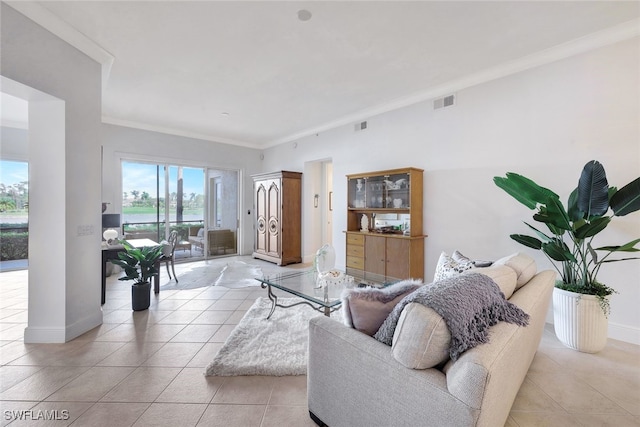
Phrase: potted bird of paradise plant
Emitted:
{"points": [[140, 265], [580, 300]]}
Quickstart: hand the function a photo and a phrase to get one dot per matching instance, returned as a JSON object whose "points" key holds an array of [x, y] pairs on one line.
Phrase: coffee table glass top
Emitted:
{"points": [[305, 284]]}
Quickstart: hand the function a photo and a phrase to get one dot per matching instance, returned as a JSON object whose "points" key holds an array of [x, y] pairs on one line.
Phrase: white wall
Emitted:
{"points": [[35, 58], [545, 123], [135, 144], [13, 143]]}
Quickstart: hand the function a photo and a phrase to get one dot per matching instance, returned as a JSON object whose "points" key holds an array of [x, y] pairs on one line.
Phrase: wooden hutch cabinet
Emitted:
{"points": [[389, 243], [278, 217]]}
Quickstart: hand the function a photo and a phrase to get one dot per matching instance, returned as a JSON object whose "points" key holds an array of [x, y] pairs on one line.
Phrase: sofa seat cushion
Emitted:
{"points": [[365, 309], [421, 339], [524, 266]]}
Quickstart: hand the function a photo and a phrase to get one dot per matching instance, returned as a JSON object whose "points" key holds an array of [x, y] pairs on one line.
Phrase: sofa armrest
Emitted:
{"points": [[353, 380]]}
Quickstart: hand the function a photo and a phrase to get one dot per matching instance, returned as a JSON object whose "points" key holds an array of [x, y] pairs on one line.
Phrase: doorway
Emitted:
{"points": [[223, 220], [318, 206]]}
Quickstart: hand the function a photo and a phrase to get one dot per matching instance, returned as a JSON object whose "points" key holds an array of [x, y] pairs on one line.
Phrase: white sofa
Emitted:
{"points": [[355, 380]]}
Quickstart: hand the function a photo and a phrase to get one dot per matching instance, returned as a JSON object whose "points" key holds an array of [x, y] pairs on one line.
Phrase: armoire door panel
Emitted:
{"points": [[274, 218], [261, 219]]}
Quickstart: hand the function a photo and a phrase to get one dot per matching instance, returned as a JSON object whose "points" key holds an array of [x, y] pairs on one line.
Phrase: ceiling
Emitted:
{"points": [[254, 74]]}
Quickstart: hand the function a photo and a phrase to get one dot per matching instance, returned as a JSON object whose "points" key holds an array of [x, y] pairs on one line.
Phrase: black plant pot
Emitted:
{"points": [[141, 296]]}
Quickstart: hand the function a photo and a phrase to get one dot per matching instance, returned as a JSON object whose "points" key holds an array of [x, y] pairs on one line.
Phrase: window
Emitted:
{"points": [[159, 198], [14, 210]]}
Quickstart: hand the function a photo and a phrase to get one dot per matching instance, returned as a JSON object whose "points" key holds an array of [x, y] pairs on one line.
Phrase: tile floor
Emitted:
{"points": [[146, 368]]}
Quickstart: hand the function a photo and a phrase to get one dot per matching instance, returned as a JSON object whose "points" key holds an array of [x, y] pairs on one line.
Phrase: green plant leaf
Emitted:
{"points": [[529, 241], [557, 214], [627, 199], [618, 260], [523, 189], [592, 228], [558, 250], [593, 190], [627, 247], [572, 207], [540, 234]]}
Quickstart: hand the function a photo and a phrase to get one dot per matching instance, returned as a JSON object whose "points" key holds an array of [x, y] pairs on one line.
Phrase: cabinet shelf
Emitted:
{"points": [[385, 210]]}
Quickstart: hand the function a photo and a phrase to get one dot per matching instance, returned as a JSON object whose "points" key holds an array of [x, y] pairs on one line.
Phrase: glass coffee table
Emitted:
{"points": [[322, 296]]}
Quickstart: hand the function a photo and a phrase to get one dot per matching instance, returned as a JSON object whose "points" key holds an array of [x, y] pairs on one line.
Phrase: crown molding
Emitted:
{"points": [[618, 33], [66, 32], [176, 132]]}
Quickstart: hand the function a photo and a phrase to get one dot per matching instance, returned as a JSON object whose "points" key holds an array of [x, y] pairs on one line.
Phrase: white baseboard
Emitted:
{"points": [[36, 334], [43, 335], [624, 333], [84, 325]]}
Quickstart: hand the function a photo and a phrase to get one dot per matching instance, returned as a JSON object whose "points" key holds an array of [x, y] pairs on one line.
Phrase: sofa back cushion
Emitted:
{"points": [[504, 276], [524, 266]]}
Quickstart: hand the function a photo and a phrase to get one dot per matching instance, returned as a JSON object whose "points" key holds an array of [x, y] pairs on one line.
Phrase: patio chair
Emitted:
{"points": [[169, 254]]}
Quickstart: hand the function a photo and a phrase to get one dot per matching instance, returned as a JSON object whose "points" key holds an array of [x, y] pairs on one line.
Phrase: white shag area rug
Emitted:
{"points": [[274, 347], [238, 274]]}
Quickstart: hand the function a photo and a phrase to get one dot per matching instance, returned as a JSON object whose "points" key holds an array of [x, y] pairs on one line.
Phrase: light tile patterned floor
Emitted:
{"points": [[146, 368]]}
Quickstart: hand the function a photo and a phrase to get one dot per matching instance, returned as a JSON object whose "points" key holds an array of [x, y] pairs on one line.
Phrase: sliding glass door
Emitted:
{"points": [[160, 198], [202, 206]]}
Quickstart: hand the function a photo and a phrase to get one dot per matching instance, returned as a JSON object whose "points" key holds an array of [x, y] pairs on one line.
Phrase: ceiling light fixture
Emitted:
{"points": [[304, 15], [225, 114]]}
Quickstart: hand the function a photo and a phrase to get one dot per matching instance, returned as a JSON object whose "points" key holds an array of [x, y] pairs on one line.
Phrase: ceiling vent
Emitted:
{"points": [[361, 126], [447, 101]]}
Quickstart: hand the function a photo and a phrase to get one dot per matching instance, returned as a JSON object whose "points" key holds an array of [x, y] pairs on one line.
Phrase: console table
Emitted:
{"points": [[111, 252]]}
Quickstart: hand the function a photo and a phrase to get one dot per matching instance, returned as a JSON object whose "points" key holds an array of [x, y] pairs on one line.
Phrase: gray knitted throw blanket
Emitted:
{"points": [[469, 304]]}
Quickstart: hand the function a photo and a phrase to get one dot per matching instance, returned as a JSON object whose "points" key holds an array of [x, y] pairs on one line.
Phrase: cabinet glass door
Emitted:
{"points": [[398, 194], [357, 193], [376, 193]]}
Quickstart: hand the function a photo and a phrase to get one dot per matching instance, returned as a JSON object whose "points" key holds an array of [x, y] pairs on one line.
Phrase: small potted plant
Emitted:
{"points": [[139, 265], [581, 301]]}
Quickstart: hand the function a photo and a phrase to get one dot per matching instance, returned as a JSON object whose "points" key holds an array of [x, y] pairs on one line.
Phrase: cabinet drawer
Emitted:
{"points": [[355, 262], [355, 239], [357, 251]]}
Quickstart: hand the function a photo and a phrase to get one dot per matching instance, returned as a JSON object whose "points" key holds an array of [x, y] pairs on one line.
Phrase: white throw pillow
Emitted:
{"points": [[448, 267]]}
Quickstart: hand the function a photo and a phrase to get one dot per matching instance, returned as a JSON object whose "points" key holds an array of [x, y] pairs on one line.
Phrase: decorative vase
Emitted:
{"points": [[364, 223], [579, 321], [141, 296], [325, 258]]}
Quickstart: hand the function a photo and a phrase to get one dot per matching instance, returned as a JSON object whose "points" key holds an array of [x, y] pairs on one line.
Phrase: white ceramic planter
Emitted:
{"points": [[579, 321]]}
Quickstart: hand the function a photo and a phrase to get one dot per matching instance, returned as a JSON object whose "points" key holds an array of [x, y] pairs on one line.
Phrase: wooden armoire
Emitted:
{"points": [[277, 211]]}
